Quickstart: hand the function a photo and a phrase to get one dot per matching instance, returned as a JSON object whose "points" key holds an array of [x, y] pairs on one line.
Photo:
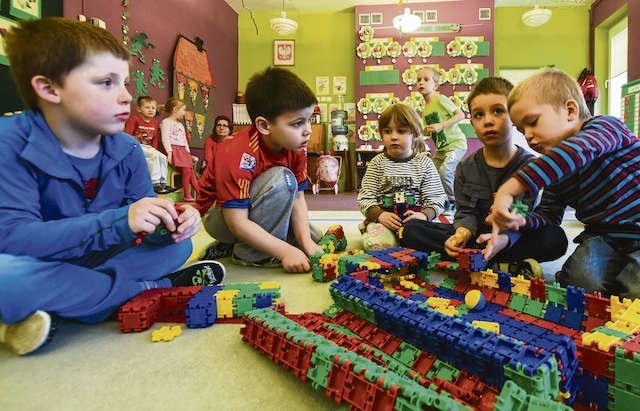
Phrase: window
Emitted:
{"points": [[618, 50]]}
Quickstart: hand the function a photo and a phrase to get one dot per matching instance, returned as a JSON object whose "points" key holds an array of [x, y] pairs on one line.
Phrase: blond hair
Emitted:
{"points": [[551, 86], [172, 104], [434, 72], [404, 116]]}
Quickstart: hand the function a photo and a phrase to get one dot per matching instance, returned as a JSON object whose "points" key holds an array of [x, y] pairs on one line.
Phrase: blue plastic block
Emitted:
{"points": [[595, 390], [263, 300], [553, 313], [575, 298], [201, 310], [573, 319], [504, 281]]}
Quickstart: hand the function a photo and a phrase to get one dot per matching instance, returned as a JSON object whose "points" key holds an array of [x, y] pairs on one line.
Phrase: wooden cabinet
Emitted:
{"points": [[362, 160], [317, 140]]}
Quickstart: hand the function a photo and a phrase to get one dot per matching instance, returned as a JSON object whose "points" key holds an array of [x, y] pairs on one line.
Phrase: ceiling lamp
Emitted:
{"points": [[283, 25], [536, 17], [406, 22]]}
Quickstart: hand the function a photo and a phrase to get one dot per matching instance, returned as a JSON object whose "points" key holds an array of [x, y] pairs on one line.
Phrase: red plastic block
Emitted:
{"points": [[598, 306], [538, 289]]}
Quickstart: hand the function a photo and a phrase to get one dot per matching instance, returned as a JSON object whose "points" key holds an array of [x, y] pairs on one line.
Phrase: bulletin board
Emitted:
{"points": [[455, 37]]}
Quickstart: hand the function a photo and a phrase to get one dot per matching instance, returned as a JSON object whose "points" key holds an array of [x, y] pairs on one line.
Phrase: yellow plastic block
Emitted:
{"points": [[487, 325], [224, 303], [618, 307], [632, 313], [521, 285], [624, 326], [489, 278], [475, 277], [409, 285], [166, 333], [438, 302], [604, 341], [269, 284]]}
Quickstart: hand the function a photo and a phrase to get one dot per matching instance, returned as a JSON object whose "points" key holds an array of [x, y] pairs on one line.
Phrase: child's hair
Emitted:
{"points": [[172, 103], [435, 73], [52, 47], [551, 86], [145, 99], [404, 116], [490, 85], [275, 91]]}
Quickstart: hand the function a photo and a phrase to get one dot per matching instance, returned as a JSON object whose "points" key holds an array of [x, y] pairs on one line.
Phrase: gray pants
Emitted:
{"points": [[446, 163], [271, 195]]}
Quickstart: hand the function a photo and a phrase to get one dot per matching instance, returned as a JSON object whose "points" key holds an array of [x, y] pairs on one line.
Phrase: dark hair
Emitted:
{"points": [[215, 125], [275, 91], [490, 85], [172, 103], [52, 47], [143, 99]]}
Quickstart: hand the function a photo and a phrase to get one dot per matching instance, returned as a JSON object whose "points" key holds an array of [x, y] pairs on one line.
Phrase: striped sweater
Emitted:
{"points": [[597, 172], [385, 176]]}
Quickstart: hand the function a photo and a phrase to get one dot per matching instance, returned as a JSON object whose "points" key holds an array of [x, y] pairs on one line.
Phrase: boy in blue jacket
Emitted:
{"points": [[76, 199]]}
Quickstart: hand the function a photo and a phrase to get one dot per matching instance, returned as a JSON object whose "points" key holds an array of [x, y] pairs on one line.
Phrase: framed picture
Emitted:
{"points": [[484, 13], [364, 19], [376, 18], [25, 9], [5, 25], [284, 52]]}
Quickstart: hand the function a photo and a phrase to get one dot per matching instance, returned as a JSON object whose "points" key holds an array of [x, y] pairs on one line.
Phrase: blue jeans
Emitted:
{"points": [[446, 163], [272, 194], [77, 291], [600, 263]]}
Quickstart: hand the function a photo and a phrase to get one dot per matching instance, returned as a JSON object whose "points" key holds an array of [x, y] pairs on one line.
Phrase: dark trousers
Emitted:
{"points": [[546, 244]]}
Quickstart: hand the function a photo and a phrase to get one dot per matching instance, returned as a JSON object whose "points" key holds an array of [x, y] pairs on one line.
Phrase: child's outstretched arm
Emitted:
{"points": [[500, 217], [300, 225]]}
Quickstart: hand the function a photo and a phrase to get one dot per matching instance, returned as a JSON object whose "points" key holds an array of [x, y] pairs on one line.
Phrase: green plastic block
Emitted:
{"points": [[542, 404], [615, 333], [443, 370], [626, 370], [511, 398], [406, 353], [543, 383], [518, 302], [623, 400], [448, 283], [556, 294], [535, 308]]}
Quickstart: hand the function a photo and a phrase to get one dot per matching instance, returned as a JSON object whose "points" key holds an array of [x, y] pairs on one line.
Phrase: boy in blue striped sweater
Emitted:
{"points": [[589, 163]]}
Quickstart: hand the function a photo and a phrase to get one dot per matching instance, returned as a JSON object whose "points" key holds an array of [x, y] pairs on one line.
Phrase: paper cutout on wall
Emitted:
{"points": [[188, 121], [141, 84], [156, 77], [140, 41], [193, 75]]}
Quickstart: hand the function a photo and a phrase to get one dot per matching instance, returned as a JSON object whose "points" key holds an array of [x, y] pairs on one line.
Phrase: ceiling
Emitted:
{"points": [[315, 6]]}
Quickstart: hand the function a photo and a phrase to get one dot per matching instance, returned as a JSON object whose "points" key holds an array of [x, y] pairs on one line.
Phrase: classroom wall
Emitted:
{"points": [[562, 41], [325, 45], [213, 21]]}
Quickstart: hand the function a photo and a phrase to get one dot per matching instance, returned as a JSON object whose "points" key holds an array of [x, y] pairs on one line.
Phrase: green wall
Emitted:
{"points": [[325, 46], [563, 41]]}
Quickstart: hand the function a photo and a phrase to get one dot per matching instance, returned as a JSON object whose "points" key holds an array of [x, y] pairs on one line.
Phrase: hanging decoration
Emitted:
{"points": [[194, 84], [156, 77], [125, 22], [141, 85], [140, 41]]}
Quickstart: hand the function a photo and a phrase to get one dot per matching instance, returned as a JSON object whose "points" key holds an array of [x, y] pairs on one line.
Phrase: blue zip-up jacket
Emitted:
{"points": [[43, 209]]}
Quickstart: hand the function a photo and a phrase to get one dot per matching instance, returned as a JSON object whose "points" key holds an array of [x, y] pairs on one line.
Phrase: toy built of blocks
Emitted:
{"points": [[196, 306], [536, 345], [166, 333]]}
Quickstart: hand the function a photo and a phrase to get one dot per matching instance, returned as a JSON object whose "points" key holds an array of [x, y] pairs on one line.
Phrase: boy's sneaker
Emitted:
{"points": [[205, 272], [271, 262], [528, 268], [29, 334], [218, 250]]}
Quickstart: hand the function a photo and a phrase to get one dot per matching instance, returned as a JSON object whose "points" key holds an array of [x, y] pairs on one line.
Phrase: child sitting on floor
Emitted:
{"points": [[588, 163], [402, 171], [477, 178]]}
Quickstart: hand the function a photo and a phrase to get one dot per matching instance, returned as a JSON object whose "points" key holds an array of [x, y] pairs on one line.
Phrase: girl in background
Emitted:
{"points": [[403, 170], [176, 144]]}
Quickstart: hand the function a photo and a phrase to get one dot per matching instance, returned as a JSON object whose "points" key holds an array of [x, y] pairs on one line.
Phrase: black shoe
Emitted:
{"points": [[160, 189], [170, 189], [205, 272], [218, 250]]}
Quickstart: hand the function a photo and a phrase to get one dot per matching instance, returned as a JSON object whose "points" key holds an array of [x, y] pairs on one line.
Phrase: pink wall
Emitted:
{"points": [[212, 20], [601, 10]]}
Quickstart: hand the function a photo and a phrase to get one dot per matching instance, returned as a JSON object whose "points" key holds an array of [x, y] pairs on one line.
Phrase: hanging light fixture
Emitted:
{"points": [[283, 25], [536, 17], [406, 22]]}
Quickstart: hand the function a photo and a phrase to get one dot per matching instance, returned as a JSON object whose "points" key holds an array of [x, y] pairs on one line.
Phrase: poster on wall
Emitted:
{"points": [[322, 85], [5, 25], [194, 84], [25, 9], [340, 85]]}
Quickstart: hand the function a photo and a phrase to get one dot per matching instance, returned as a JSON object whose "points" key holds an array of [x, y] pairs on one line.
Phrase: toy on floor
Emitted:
{"points": [[328, 172], [196, 306], [166, 333], [161, 230], [533, 345]]}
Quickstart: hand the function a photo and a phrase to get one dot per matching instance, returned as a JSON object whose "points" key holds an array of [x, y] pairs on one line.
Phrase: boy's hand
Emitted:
{"points": [[493, 247], [311, 248], [500, 218], [390, 220], [413, 215], [296, 261], [147, 213], [457, 241], [188, 224]]}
